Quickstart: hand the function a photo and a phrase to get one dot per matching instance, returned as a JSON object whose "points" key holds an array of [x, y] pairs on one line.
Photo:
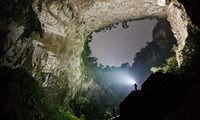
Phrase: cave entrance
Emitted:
{"points": [[136, 46], [119, 43], [117, 57]]}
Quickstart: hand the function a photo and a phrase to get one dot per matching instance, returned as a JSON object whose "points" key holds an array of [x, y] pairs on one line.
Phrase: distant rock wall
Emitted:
{"points": [[46, 37]]}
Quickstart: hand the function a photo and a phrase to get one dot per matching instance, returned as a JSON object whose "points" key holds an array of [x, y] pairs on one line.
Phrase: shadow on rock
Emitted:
{"points": [[18, 93]]}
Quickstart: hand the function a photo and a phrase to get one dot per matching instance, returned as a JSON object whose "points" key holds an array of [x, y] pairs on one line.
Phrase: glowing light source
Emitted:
{"points": [[129, 80], [125, 78]]}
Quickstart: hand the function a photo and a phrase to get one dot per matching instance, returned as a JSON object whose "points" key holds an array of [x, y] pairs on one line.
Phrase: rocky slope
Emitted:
{"points": [[46, 37], [173, 97]]}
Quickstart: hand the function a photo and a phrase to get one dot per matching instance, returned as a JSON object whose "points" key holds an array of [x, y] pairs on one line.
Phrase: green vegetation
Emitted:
{"points": [[86, 55], [59, 113], [51, 111], [191, 51], [156, 52], [104, 96], [47, 109], [170, 67], [26, 98], [159, 53], [190, 54], [109, 92]]}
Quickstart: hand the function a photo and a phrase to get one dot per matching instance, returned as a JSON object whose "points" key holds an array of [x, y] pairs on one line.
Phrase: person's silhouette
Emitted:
{"points": [[135, 85]]}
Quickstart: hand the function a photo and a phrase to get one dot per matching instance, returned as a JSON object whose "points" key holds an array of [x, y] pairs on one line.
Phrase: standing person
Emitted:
{"points": [[135, 85]]}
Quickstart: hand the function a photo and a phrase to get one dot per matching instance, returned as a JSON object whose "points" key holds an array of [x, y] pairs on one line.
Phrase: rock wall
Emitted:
{"points": [[20, 96], [46, 37]]}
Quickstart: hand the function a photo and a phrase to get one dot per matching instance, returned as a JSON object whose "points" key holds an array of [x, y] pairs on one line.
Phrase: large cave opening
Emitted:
{"points": [[120, 44], [122, 54], [134, 44]]}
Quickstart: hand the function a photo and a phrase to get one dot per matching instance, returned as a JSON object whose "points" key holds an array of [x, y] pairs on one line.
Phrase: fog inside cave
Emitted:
{"points": [[116, 47]]}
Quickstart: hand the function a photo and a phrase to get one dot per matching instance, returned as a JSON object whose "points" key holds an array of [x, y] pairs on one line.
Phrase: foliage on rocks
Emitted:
{"points": [[190, 55], [191, 51]]}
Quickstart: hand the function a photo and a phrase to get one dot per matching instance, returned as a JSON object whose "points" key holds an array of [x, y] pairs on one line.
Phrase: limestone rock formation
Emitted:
{"points": [[46, 37]]}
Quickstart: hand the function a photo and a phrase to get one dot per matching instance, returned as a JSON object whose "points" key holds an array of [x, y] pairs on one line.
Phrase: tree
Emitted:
{"points": [[125, 65], [81, 101]]}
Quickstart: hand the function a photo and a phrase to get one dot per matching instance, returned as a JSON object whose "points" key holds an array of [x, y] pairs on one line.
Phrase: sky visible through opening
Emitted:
{"points": [[120, 45]]}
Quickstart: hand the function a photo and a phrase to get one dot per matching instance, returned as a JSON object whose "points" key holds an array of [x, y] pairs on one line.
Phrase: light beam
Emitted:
{"points": [[125, 78]]}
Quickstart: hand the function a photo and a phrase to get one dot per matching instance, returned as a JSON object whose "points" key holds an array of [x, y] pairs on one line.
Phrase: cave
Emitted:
{"points": [[42, 42], [128, 43]]}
